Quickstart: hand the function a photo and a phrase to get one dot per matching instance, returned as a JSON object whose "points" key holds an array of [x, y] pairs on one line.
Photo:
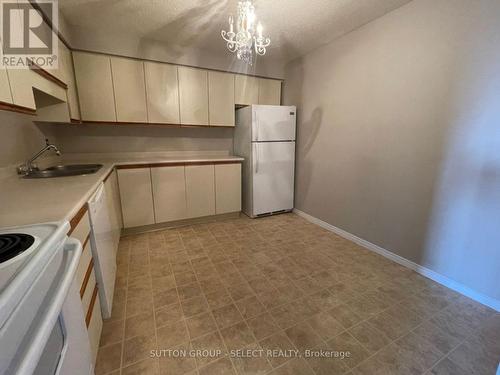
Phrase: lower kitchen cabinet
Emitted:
{"points": [[161, 194], [169, 193], [136, 197], [227, 188], [200, 190]]}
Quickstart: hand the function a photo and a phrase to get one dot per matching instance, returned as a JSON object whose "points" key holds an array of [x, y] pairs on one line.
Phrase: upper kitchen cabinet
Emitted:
{"points": [[269, 91], [95, 86], [60, 73], [162, 90], [246, 90], [5, 94], [221, 98], [24, 83], [66, 59], [129, 89], [193, 96], [21, 86]]}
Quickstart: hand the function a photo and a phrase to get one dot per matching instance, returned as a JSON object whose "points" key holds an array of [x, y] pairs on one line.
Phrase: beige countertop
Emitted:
{"points": [[30, 201]]}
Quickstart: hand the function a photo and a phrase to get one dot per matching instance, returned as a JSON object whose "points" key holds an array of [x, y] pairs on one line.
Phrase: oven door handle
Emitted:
{"points": [[72, 251]]}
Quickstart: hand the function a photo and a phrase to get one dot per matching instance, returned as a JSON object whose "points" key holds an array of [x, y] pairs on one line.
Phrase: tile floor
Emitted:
{"points": [[281, 283]]}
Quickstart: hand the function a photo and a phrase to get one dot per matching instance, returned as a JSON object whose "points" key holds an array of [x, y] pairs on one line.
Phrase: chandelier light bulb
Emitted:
{"points": [[260, 28]]}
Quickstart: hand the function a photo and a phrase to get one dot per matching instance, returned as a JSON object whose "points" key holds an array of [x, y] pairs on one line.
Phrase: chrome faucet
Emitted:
{"points": [[28, 167]]}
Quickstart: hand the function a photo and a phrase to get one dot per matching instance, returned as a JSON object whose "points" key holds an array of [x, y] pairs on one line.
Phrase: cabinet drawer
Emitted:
{"points": [[94, 324], [83, 265], [82, 230], [88, 289]]}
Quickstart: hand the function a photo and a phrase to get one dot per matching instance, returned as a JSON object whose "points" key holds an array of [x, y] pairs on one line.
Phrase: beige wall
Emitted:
{"points": [[398, 136], [133, 138], [144, 48], [20, 138]]}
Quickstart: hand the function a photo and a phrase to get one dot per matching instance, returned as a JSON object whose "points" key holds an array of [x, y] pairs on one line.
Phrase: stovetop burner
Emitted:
{"points": [[13, 244]]}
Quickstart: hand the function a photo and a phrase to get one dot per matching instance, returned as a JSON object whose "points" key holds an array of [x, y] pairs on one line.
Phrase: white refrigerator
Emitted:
{"points": [[265, 137]]}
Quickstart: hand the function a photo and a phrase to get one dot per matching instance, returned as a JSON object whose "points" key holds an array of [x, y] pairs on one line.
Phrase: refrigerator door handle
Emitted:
{"points": [[258, 125], [256, 157]]}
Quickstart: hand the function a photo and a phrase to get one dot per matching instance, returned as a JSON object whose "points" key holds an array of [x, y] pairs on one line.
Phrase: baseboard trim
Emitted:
{"points": [[179, 223], [437, 277]]}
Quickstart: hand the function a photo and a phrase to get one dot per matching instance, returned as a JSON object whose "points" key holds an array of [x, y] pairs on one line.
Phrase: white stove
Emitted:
{"points": [[20, 265], [40, 309]]}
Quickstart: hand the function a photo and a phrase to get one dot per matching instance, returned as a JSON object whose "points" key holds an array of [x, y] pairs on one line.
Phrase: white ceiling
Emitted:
{"points": [[294, 26]]}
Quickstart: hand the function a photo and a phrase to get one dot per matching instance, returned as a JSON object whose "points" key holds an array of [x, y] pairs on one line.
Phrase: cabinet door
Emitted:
{"points": [[269, 91], [193, 96], [95, 86], [60, 72], [162, 92], [5, 95], [136, 197], [21, 86], [130, 90], [227, 188], [200, 190], [69, 74], [114, 208], [246, 90], [169, 193], [221, 98]]}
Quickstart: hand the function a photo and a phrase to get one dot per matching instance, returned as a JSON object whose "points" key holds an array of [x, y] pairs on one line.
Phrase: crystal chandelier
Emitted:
{"points": [[245, 40]]}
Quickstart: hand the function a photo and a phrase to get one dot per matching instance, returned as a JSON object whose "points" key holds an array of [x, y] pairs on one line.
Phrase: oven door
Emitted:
{"points": [[58, 343], [68, 349]]}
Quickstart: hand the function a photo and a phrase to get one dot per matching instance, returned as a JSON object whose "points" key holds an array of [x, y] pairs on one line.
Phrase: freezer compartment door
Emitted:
{"points": [[273, 176], [273, 123]]}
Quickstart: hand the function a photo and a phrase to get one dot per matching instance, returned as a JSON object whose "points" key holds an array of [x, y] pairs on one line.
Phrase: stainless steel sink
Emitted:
{"points": [[64, 170]]}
